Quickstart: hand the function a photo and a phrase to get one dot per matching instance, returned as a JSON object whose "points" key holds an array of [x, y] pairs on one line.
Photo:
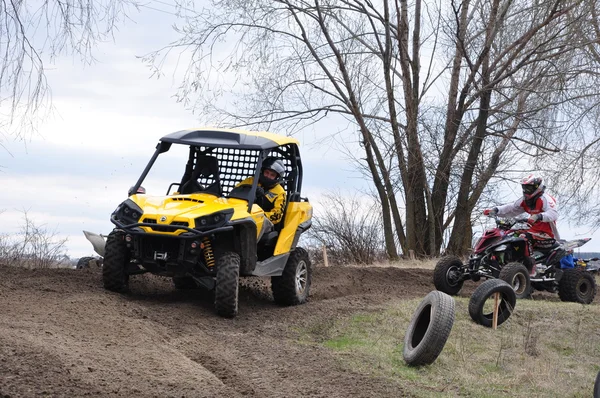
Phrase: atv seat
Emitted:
{"points": [[206, 170]]}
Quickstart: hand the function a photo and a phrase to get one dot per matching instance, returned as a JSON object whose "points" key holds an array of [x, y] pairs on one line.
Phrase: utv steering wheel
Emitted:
{"points": [[191, 186]]}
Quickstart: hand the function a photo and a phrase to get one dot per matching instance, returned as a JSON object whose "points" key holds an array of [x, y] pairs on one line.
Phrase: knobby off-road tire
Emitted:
{"points": [[447, 276], [429, 329], [227, 284], [577, 285], [293, 286], [184, 283], [116, 259], [597, 386], [84, 262], [517, 275], [485, 291]]}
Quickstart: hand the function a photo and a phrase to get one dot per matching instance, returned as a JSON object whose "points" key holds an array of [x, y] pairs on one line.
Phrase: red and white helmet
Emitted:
{"points": [[532, 186]]}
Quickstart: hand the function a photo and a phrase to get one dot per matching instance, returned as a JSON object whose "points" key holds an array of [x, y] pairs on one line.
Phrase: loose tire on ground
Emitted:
{"points": [[184, 283], [485, 291], [597, 386], [84, 262], [293, 286], [577, 285], [227, 284], [517, 275], [429, 329], [115, 262], [447, 276]]}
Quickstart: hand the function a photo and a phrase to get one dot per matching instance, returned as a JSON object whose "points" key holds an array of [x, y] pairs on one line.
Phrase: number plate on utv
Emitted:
{"points": [[161, 255]]}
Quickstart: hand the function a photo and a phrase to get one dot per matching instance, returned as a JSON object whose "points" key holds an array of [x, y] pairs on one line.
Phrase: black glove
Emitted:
{"points": [[260, 192]]}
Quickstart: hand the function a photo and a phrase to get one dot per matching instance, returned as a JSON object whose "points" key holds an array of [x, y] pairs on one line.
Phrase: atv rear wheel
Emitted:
{"points": [[577, 285], [448, 275], [115, 261], [293, 286], [517, 275], [227, 284]]}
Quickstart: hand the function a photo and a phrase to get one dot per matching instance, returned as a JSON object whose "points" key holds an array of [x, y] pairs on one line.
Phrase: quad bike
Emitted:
{"points": [[502, 252], [505, 253], [209, 232]]}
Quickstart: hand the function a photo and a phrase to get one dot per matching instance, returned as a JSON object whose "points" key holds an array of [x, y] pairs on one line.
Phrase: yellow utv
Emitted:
{"points": [[204, 231]]}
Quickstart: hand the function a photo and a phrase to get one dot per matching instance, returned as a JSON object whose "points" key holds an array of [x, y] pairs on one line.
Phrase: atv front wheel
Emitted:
{"points": [[293, 286], [227, 284], [516, 275], [577, 285], [448, 275], [116, 259]]}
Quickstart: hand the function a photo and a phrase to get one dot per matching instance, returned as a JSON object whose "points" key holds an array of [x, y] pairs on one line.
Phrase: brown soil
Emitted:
{"points": [[63, 335]]}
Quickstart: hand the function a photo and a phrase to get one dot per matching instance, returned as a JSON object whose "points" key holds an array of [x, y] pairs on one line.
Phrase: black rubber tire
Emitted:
{"points": [[577, 285], [429, 329], [517, 275], [597, 386], [448, 268], [293, 286], [116, 258], [508, 300], [184, 283], [84, 262], [227, 284]]}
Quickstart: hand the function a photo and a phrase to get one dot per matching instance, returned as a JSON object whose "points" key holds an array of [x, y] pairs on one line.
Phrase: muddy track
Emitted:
{"points": [[63, 335]]}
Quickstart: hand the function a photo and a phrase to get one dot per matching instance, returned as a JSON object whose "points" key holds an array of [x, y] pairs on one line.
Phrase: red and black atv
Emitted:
{"points": [[504, 252]]}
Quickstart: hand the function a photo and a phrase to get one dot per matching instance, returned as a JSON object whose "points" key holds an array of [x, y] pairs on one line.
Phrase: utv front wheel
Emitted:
{"points": [[448, 275], [227, 284], [293, 286], [116, 259]]}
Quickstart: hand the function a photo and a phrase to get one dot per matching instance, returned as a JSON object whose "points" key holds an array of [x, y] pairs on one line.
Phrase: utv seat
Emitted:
{"points": [[207, 168]]}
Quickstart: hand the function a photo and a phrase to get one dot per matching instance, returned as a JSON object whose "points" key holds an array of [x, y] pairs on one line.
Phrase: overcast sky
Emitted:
{"points": [[108, 118]]}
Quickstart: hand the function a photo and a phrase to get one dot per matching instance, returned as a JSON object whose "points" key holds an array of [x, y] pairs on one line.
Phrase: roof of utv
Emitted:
{"points": [[228, 138]]}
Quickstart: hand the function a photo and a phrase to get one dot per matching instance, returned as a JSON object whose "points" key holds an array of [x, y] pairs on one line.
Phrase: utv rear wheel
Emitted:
{"points": [[516, 275], [448, 275], [293, 286], [116, 258], [577, 285], [227, 284], [84, 262]]}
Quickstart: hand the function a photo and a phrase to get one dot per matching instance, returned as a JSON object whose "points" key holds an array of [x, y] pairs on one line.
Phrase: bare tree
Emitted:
{"points": [[446, 99], [349, 228], [34, 246], [32, 33]]}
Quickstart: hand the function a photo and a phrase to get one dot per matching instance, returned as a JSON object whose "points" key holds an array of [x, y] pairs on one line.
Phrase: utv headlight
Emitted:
{"points": [[127, 212], [214, 220]]}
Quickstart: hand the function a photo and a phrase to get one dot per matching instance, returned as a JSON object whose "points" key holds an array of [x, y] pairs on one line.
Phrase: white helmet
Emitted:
{"points": [[532, 186]]}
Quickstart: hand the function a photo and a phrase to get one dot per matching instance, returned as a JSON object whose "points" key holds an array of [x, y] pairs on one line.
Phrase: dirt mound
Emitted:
{"points": [[62, 334]]}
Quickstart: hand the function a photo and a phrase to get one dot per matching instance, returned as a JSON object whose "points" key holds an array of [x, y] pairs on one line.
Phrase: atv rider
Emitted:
{"points": [[542, 209], [270, 195]]}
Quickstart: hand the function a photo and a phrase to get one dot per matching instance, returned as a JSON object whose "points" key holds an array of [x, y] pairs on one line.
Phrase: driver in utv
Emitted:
{"points": [[270, 195], [542, 209]]}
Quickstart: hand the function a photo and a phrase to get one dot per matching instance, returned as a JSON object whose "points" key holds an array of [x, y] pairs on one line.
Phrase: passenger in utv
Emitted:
{"points": [[542, 210], [270, 195]]}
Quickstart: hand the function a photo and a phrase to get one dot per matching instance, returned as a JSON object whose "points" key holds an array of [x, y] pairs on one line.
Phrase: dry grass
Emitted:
{"points": [[545, 349]]}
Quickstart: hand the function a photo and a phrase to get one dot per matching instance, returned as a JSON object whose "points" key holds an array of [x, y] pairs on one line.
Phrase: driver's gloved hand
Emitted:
{"points": [[490, 212], [260, 192], [534, 219]]}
